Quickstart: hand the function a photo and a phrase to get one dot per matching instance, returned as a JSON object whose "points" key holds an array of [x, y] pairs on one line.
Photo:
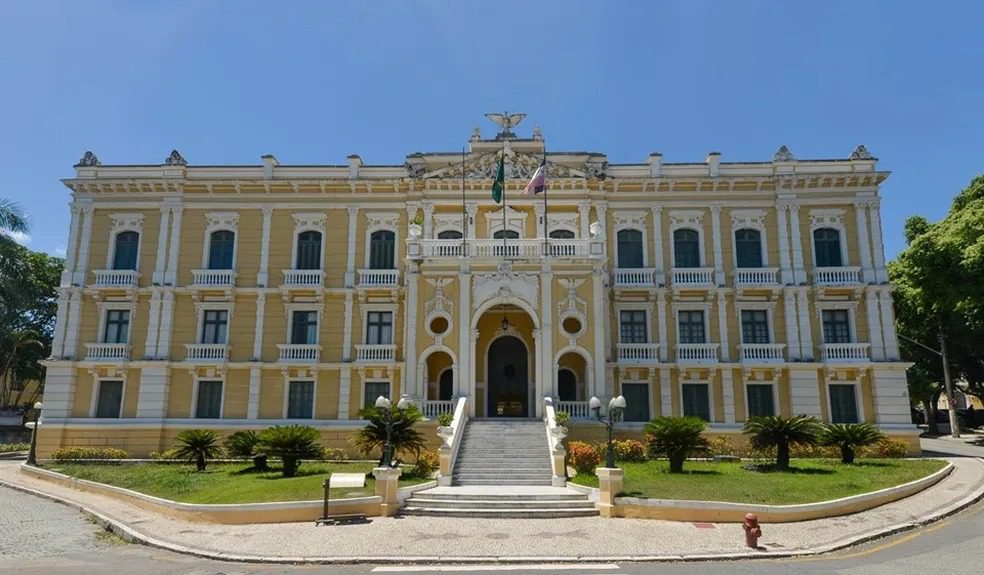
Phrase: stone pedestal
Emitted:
{"points": [[610, 483], [387, 480]]}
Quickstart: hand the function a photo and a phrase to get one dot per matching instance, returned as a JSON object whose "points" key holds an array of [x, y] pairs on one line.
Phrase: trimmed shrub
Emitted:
{"points": [[13, 447], [333, 454], [445, 419], [406, 439], [584, 457], [778, 432], [813, 451], [676, 438], [198, 445], [291, 443], [245, 445], [848, 437], [76, 453], [885, 449], [171, 453], [427, 463], [630, 450], [562, 417]]}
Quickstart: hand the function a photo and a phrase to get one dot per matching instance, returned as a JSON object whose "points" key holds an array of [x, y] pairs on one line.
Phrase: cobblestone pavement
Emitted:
{"points": [[31, 526]]}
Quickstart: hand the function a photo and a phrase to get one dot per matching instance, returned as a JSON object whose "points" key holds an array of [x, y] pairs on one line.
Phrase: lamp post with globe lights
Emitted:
{"points": [[383, 403], [32, 457], [615, 408]]}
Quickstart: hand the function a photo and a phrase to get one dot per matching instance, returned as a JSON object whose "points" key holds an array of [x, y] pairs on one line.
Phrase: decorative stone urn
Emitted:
{"points": [[414, 231], [595, 229], [445, 432]]}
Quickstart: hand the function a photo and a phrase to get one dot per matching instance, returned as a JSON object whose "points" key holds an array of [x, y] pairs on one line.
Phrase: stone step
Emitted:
{"points": [[503, 513], [482, 473], [471, 496], [498, 504], [509, 482], [492, 467]]}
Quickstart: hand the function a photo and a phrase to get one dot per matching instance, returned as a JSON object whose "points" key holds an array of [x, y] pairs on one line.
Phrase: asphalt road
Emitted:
{"points": [[40, 537]]}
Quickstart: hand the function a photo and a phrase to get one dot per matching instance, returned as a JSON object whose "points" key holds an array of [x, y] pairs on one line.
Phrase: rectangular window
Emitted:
{"points": [[373, 389], [836, 326], [636, 401], [304, 327], [754, 326], [109, 404], [215, 326], [379, 328], [760, 400], [208, 404], [300, 400], [691, 327], [117, 326], [843, 404], [696, 400], [633, 326]]}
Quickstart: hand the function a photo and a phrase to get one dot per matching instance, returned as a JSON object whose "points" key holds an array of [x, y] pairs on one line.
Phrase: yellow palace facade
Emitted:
{"points": [[234, 297]]}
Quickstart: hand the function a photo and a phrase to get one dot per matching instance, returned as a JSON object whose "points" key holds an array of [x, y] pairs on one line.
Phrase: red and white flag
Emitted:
{"points": [[538, 182]]}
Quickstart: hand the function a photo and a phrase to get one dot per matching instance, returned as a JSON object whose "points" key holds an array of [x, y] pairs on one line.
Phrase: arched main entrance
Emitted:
{"points": [[508, 378]]}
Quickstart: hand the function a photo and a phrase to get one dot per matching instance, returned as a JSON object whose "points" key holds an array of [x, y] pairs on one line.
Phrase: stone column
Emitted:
{"points": [[804, 391], [878, 249], [344, 390], [786, 268], [155, 383], [874, 323], [353, 222], [167, 318], [867, 269], [665, 397], [472, 209], [716, 239], [59, 391], [347, 327], [429, 220], [464, 385], [891, 396], [549, 371], [792, 324], [61, 316], [583, 215], [799, 273], [413, 387], [806, 330], [728, 389], [658, 244], [722, 309], [263, 276], [598, 319], [253, 403], [610, 485], [540, 224], [72, 328], [258, 329], [72, 249], [171, 274], [888, 325], [153, 323], [664, 344], [539, 384], [160, 264], [82, 265], [387, 482]]}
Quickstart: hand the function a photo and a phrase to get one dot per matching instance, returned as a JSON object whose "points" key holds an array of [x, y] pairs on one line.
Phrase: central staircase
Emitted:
{"points": [[503, 470]]}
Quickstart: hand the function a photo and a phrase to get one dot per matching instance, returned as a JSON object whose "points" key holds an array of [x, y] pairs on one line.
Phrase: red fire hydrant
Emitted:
{"points": [[752, 530]]}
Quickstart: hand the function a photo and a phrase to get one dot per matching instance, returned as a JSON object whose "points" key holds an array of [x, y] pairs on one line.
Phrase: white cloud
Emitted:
{"points": [[20, 237], [60, 251]]}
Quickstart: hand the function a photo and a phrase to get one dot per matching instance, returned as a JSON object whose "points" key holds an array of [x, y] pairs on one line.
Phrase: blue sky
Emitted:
{"points": [[311, 82]]}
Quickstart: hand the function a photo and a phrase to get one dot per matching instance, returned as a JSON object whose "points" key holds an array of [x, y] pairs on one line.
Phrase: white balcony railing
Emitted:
{"points": [[379, 278], [213, 278], [575, 409], [207, 351], [107, 351], [635, 277], [695, 277], [116, 278], [375, 353], [844, 352], [697, 353], [837, 276], [299, 352], [762, 352], [756, 276], [432, 408], [497, 248], [304, 278], [638, 353]]}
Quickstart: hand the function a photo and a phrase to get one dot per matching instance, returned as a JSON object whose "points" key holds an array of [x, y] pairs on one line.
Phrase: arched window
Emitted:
{"points": [[449, 235], [630, 249], [221, 247], [748, 248], [511, 250], [566, 385], [382, 250], [309, 250], [125, 251], [562, 234], [686, 248], [445, 385], [826, 244], [509, 234]]}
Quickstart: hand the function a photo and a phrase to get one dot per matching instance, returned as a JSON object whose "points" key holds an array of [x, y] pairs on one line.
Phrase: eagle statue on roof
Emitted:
{"points": [[506, 121]]}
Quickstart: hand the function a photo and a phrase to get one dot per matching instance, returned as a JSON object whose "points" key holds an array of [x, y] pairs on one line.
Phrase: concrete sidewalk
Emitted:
{"points": [[434, 539]]}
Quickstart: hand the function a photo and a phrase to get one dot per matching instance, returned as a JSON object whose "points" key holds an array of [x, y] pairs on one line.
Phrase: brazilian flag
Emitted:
{"points": [[500, 181]]}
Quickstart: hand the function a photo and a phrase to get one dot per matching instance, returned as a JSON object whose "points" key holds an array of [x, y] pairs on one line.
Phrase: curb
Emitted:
{"points": [[130, 535]]}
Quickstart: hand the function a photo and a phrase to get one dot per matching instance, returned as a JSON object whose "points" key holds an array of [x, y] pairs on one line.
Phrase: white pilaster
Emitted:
{"points": [[583, 215], [171, 275], [263, 276], [344, 391], [658, 244], [153, 324], [722, 308], [258, 330], [465, 385], [784, 257], [861, 217], [72, 248], [891, 396], [72, 327], [599, 352], [347, 328], [538, 212], [878, 249], [888, 325], [600, 210], [804, 391], [538, 385], [59, 391], [472, 209], [61, 316], [665, 399], [661, 325], [429, 220], [160, 263], [167, 322], [82, 265], [412, 385], [152, 395], [549, 372], [874, 324], [799, 273], [253, 405], [792, 324], [353, 222], [716, 239], [728, 391], [806, 331]]}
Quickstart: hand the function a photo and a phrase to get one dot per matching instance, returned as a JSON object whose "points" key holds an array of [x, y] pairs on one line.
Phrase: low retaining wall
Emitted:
{"points": [[228, 513], [725, 512]]}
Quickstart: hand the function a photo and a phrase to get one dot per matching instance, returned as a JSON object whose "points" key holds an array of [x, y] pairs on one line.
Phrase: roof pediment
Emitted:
{"points": [[518, 165]]}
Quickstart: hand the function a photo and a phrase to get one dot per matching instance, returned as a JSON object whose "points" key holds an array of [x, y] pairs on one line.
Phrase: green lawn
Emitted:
{"points": [[808, 481], [225, 483]]}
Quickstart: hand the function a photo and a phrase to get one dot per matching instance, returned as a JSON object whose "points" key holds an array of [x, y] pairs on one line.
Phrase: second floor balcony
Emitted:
{"points": [[638, 353], [845, 352], [116, 278], [217, 352], [213, 278], [304, 278], [519, 248], [375, 353], [379, 278], [762, 352], [634, 277], [693, 277], [838, 276], [697, 352], [299, 352], [107, 351], [748, 277]]}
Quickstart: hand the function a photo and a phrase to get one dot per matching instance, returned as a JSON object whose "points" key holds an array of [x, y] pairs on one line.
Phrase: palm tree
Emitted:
{"points": [[14, 347], [12, 221], [245, 444], [849, 437], [405, 438], [199, 445], [781, 432], [676, 438], [291, 443]]}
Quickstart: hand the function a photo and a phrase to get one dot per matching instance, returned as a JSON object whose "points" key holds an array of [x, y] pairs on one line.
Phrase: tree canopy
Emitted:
{"points": [[939, 288]]}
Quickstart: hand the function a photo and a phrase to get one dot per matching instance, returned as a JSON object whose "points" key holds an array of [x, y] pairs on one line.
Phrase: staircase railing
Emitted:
{"points": [[555, 438], [451, 438]]}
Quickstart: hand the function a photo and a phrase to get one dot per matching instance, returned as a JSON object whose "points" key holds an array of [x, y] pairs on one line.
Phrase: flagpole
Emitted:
{"points": [[464, 214], [504, 196], [546, 217]]}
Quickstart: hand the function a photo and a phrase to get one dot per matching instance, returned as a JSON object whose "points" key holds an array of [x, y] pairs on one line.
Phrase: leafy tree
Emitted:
{"points": [[925, 391], [291, 443], [676, 438], [12, 221], [849, 437], [199, 445], [782, 432], [246, 444], [405, 438]]}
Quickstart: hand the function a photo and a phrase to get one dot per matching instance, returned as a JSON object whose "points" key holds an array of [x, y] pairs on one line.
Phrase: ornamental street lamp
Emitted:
{"points": [[32, 458], [615, 408], [383, 403]]}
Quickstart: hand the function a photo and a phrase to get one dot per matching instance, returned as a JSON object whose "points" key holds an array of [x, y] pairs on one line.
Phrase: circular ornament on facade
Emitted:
{"points": [[438, 325], [572, 325]]}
